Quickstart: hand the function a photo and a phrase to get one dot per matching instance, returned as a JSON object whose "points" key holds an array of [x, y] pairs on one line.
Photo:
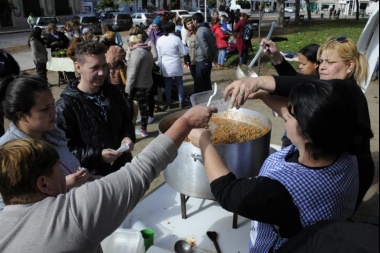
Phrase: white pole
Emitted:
{"points": [[205, 11]]}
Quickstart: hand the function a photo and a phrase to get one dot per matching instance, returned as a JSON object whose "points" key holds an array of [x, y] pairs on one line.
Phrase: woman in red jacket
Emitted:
{"points": [[241, 44], [221, 42]]}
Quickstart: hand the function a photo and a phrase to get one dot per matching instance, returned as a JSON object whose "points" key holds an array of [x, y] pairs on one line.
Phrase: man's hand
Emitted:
{"points": [[110, 155], [130, 143]]}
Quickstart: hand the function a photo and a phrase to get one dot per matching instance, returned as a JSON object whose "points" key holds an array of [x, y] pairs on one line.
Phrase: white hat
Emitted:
{"points": [[86, 30]]}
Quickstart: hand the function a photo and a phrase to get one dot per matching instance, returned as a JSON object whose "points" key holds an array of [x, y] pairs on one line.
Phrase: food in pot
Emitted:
{"points": [[228, 131]]}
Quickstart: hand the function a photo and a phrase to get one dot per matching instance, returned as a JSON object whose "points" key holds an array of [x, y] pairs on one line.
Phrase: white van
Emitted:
{"points": [[246, 8]]}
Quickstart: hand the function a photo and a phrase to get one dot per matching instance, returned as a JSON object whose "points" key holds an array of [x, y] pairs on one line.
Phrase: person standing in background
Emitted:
{"points": [[56, 40], [31, 21], [39, 52], [118, 39], [221, 42], [139, 82], [241, 44], [169, 49], [205, 53]]}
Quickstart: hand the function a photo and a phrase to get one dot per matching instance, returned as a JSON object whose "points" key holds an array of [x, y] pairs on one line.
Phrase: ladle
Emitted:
{"points": [[181, 246], [215, 90], [244, 71], [213, 235]]}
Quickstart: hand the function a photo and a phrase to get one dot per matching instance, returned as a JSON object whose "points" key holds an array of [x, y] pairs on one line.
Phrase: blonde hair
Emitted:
{"points": [[347, 50], [135, 39], [109, 35]]}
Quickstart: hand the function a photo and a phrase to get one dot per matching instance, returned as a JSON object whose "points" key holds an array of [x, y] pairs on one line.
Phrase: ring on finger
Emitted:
{"points": [[241, 93]]}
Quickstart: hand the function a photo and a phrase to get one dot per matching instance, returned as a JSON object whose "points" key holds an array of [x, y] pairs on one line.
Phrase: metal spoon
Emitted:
{"points": [[215, 90], [181, 246], [213, 235]]}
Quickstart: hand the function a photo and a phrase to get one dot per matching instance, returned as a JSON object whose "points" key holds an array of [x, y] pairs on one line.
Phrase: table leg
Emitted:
{"points": [[234, 221]]}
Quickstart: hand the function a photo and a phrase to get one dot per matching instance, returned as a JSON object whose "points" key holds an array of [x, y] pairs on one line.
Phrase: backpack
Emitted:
{"points": [[247, 32]]}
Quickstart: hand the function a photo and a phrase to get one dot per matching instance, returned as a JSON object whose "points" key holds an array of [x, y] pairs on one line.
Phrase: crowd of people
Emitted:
{"points": [[61, 171]]}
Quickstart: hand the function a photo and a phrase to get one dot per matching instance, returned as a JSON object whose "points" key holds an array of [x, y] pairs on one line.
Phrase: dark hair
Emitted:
{"points": [[168, 27], [107, 27], [198, 17], [88, 47], [8, 64], [17, 94], [310, 52], [36, 34], [215, 21], [326, 116]]}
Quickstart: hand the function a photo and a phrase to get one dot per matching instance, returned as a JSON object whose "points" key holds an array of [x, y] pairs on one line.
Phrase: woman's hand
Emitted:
{"points": [[78, 178], [130, 143], [271, 50], [110, 155], [200, 136], [244, 89]]}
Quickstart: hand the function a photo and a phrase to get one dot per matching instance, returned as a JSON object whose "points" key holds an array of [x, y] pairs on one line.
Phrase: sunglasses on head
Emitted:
{"points": [[340, 39]]}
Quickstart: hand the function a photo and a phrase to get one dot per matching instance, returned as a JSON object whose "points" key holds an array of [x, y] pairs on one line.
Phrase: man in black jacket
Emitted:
{"points": [[56, 40], [94, 114]]}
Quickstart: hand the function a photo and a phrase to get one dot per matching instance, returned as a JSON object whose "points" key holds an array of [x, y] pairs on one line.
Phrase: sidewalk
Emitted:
{"points": [[10, 30]]}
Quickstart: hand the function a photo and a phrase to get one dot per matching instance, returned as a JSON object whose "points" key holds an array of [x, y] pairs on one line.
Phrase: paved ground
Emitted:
{"points": [[369, 206]]}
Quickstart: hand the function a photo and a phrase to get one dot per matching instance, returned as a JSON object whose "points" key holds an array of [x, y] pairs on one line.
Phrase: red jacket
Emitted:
{"points": [[221, 38], [240, 43]]}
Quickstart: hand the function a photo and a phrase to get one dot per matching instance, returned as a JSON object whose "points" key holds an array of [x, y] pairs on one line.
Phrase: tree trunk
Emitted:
{"points": [[308, 9], [297, 13], [357, 10], [281, 12]]}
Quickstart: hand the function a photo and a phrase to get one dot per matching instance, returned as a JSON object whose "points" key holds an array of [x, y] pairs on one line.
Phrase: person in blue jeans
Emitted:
{"points": [[170, 50], [205, 52]]}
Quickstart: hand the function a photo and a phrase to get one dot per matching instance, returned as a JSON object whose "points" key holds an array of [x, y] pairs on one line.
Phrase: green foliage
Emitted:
{"points": [[244, 4], [313, 32], [103, 4]]}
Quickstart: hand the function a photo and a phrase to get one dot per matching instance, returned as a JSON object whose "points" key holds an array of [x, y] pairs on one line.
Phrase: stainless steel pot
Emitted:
{"points": [[186, 174]]}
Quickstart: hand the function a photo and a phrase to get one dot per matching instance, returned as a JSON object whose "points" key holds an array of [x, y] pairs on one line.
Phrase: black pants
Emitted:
{"points": [[41, 70], [202, 76]]}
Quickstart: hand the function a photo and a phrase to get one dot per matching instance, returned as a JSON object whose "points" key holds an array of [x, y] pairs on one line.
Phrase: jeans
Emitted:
{"points": [[222, 56], [202, 81], [244, 57], [168, 88]]}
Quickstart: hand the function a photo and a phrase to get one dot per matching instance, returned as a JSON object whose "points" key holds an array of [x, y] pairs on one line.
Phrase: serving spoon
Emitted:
{"points": [[215, 90], [213, 235], [182, 246]]}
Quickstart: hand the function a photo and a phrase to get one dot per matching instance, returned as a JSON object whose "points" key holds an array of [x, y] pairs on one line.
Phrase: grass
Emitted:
{"points": [[315, 31]]}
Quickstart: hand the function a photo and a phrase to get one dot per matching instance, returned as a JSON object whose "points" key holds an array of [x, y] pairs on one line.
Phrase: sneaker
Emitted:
{"points": [[186, 66], [150, 120], [141, 132]]}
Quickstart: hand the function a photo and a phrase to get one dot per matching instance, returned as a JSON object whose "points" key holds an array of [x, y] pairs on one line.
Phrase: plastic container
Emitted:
{"points": [[155, 249], [217, 101], [124, 240]]}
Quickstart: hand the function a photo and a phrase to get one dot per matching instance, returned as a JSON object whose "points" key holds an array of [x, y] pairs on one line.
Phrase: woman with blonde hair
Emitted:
{"points": [[139, 78], [338, 59]]}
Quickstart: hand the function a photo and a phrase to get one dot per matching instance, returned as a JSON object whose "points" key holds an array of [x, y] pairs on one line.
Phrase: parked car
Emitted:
{"points": [[268, 9], [289, 9], [118, 20], [143, 19], [166, 14], [181, 13], [42, 22], [192, 11], [91, 22]]}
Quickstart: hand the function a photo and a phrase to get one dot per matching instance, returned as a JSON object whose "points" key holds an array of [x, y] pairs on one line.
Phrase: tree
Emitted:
{"points": [[281, 12], [357, 10], [108, 4], [308, 9]]}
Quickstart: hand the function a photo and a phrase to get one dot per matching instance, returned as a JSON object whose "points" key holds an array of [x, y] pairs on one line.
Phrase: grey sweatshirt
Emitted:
{"points": [[79, 220]]}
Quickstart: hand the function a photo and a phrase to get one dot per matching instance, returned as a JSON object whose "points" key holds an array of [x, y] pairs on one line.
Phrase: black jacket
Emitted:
{"points": [[88, 133], [63, 41]]}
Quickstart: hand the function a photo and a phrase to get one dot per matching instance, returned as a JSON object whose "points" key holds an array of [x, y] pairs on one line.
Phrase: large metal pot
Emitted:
{"points": [[186, 174]]}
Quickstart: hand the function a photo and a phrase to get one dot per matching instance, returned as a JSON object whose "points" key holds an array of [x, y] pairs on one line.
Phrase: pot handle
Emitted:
{"points": [[197, 157]]}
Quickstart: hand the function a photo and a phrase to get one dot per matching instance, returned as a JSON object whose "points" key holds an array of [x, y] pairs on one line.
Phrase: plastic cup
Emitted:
{"points": [[148, 236]]}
